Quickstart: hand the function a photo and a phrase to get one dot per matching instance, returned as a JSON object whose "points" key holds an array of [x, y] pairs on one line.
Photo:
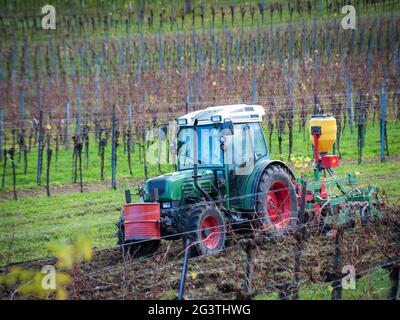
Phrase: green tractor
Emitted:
{"points": [[225, 178], [226, 182]]}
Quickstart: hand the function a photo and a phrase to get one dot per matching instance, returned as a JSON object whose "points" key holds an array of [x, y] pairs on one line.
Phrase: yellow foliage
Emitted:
{"points": [[84, 248], [28, 282], [64, 255], [301, 162], [61, 294], [70, 254], [193, 275]]}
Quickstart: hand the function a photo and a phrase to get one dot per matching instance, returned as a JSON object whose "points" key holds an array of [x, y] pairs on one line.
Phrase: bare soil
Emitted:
{"points": [[110, 275]]}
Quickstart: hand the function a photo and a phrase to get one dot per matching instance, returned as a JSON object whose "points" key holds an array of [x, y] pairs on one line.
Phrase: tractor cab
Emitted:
{"points": [[228, 140]]}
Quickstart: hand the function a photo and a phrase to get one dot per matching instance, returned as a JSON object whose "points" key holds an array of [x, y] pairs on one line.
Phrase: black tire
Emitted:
{"points": [[281, 213], [135, 248], [206, 229]]}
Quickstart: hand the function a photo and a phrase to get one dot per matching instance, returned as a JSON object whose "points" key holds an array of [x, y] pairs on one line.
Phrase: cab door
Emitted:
{"points": [[246, 147]]}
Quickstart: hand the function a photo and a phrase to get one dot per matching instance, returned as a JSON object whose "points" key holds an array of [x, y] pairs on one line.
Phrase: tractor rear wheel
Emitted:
{"points": [[135, 248], [207, 229], [276, 199]]}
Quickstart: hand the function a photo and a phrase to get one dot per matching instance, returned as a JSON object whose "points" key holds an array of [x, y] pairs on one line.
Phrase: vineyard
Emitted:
{"points": [[89, 110]]}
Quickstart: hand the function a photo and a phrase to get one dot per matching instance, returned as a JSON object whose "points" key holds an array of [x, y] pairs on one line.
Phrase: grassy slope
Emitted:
{"points": [[35, 221]]}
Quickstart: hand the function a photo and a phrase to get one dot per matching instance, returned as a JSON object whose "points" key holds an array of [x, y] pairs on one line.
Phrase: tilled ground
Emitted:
{"points": [[110, 275]]}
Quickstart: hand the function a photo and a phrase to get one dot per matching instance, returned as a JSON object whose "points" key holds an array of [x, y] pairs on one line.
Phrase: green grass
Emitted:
{"points": [[372, 286], [29, 224], [385, 176]]}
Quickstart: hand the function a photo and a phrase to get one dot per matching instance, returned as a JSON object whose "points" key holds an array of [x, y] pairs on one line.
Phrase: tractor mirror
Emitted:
{"points": [[227, 128], [172, 147]]}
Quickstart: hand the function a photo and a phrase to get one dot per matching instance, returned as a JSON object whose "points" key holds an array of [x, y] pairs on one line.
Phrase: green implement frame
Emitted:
{"points": [[340, 205]]}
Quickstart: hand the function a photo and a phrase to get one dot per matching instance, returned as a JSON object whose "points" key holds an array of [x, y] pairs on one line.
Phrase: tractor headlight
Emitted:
{"points": [[216, 118], [166, 205], [182, 122]]}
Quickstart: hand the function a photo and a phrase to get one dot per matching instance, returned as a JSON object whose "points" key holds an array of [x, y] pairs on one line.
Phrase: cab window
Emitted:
{"points": [[248, 143]]}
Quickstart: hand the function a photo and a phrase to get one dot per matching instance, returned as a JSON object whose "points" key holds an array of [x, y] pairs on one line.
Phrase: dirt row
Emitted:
{"points": [[111, 275]]}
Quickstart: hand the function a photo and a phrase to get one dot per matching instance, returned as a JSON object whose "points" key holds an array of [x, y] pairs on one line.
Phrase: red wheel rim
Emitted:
{"points": [[210, 232], [278, 204]]}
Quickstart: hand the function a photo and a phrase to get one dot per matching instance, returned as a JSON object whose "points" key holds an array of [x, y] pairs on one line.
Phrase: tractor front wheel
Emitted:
{"points": [[206, 229], [276, 200]]}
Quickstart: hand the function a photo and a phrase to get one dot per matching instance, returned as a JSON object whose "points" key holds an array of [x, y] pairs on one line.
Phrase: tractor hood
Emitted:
{"points": [[177, 185]]}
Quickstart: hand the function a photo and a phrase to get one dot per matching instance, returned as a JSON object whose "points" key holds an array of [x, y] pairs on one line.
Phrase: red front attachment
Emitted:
{"points": [[330, 161], [142, 221]]}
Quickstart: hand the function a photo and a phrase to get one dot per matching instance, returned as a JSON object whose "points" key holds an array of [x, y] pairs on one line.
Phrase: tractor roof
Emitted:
{"points": [[237, 113]]}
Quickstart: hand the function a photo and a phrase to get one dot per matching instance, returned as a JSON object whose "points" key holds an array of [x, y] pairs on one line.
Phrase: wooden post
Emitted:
{"points": [[394, 293], [128, 147], [102, 147], [130, 128], [67, 121], [291, 120], [300, 236], [75, 138], [144, 152], [394, 272], [40, 150], [350, 104], [49, 152], [254, 88], [159, 150], [4, 168], [80, 145], [139, 144], [337, 261], [78, 117], [24, 151], [113, 150], [166, 145], [1, 133], [12, 153], [86, 141], [383, 121], [248, 246]]}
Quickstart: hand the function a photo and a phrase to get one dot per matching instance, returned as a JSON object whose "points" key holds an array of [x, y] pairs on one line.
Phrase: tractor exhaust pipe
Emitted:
{"points": [[195, 165]]}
